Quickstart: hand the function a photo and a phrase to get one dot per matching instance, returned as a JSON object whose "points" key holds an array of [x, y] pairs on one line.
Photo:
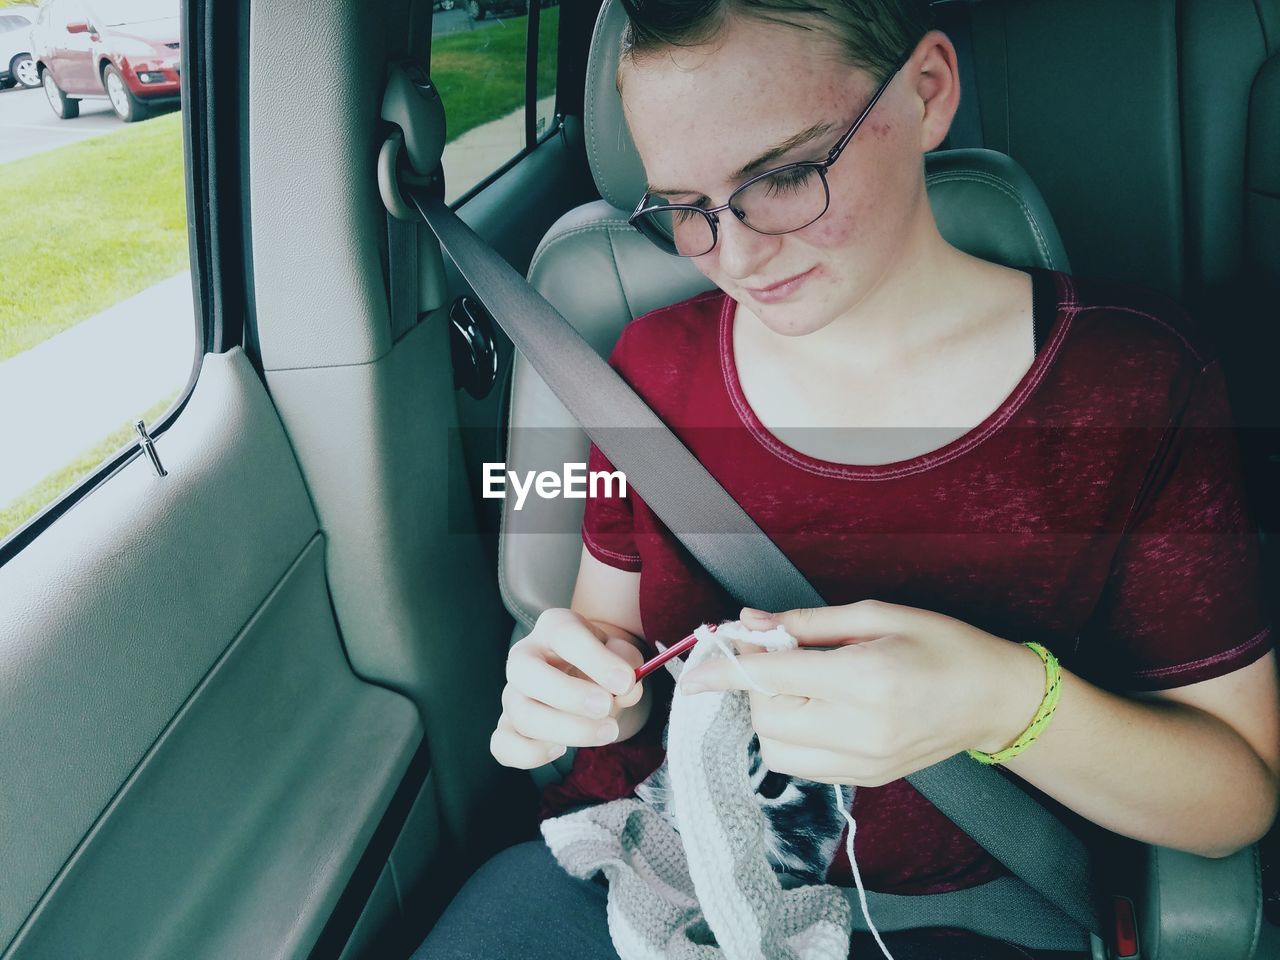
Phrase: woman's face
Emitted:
{"points": [[698, 115]]}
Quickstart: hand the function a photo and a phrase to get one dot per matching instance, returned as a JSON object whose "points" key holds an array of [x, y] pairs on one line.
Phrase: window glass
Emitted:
{"points": [[479, 49], [548, 49], [96, 320]]}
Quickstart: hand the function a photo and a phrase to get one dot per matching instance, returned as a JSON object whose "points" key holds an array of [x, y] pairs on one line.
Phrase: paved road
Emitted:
{"points": [[28, 126]]}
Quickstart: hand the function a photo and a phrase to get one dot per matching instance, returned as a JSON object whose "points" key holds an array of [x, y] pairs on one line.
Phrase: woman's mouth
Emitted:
{"points": [[782, 289]]}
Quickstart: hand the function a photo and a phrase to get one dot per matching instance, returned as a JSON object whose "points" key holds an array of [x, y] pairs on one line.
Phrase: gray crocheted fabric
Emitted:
{"points": [[701, 887]]}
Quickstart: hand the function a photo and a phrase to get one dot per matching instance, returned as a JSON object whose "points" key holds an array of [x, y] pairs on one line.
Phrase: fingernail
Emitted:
{"points": [[760, 616], [599, 704], [621, 681], [607, 732]]}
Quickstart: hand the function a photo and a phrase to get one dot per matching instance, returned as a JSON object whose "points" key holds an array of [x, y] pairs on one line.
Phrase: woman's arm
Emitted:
{"points": [[610, 598], [1194, 768], [899, 688]]}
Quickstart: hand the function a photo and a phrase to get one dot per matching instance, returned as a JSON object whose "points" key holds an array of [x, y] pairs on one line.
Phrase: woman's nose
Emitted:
{"points": [[741, 250]]}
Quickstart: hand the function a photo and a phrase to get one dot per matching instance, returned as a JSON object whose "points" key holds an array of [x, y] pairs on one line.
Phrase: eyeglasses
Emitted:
{"points": [[781, 200]]}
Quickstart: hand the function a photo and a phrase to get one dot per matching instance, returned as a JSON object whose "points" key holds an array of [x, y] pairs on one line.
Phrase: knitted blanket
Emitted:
{"points": [[702, 887]]}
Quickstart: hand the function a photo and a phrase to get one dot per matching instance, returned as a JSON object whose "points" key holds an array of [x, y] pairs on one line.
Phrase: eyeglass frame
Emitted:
{"points": [[822, 166]]}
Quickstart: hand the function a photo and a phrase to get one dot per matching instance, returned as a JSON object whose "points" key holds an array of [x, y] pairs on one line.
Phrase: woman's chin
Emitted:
{"points": [[791, 319]]}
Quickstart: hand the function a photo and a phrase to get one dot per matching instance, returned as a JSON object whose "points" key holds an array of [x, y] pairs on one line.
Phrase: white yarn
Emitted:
{"points": [[773, 640]]}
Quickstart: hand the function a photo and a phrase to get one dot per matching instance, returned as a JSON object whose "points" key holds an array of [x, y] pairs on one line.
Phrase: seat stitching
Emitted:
{"points": [[622, 287], [550, 241], [1004, 187], [593, 84]]}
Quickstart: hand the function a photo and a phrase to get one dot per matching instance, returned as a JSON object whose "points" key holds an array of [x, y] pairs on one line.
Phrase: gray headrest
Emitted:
{"points": [[614, 162]]}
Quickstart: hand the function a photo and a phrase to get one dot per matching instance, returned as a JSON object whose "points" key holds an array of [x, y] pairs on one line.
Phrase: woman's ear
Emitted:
{"points": [[937, 84]]}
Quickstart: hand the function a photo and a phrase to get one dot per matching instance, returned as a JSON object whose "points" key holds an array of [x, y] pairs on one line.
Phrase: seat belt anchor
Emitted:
{"points": [[412, 150]]}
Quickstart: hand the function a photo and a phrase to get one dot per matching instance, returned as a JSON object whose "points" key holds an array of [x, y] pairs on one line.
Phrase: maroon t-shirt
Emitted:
{"points": [[1098, 510]]}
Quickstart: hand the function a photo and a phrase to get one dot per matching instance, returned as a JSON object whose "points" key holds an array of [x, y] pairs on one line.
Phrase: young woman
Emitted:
{"points": [[960, 456]]}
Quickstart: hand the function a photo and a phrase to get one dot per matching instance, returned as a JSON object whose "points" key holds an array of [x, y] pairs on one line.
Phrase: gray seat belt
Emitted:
{"points": [[1059, 911], [1004, 908]]}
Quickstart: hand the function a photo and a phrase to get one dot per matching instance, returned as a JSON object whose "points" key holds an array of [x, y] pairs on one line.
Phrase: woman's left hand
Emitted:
{"points": [[877, 691]]}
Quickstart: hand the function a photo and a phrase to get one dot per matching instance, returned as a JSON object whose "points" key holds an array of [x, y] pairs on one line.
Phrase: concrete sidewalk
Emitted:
{"points": [[63, 397], [479, 152]]}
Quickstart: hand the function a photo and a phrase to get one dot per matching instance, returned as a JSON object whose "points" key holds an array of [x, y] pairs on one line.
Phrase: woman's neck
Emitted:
{"points": [[928, 299]]}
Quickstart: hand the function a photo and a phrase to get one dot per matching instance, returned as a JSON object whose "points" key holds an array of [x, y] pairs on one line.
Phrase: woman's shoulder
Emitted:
{"points": [[664, 348], [686, 321], [1132, 346], [1151, 323]]}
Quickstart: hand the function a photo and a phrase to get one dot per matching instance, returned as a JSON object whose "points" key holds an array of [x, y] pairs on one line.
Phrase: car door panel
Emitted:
{"points": [[190, 767], [76, 73], [222, 683], [373, 422]]}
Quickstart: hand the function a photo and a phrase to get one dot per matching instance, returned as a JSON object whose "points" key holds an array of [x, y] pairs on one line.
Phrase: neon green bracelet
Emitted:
{"points": [[1052, 691]]}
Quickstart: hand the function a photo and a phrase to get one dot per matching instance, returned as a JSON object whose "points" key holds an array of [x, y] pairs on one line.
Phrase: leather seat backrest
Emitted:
{"points": [[1152, 127], [600, 274]]}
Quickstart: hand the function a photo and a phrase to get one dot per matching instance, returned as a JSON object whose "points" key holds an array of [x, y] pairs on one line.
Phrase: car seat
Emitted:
{"points": [[1152, 127], [600, 274]]}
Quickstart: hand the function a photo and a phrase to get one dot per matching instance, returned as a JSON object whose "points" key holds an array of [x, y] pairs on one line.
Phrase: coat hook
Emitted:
{"points": [[149, 447]]}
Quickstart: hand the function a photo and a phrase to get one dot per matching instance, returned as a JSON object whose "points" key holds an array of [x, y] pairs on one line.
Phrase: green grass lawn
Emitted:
{"points": [[51, 487], [84, 226], [87, 225], [480, 73]]}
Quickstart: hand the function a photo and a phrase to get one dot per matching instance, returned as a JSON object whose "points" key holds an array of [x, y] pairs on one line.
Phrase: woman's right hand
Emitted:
{"points": [[567, 682]]}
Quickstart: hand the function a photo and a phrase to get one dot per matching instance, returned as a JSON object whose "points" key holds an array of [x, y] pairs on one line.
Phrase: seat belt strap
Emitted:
{"points": [[402, 275], [1004, 909], [1003, 819]]}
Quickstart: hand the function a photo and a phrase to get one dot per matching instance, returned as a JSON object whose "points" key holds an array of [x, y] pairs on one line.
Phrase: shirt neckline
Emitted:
{"points": [[1066, 310]]}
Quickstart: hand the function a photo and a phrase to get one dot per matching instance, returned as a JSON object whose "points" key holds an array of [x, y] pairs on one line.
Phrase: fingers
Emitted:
{"points": [[561, 684], [796, 673], [629, 653], [807, 763], [537, 721], [538, 679], [790, 720], [584, 645], [511, 749], [837, 625]]}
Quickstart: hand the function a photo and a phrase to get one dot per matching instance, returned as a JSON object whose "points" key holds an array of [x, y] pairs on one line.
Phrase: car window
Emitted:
{"points": [[116, 12], [479, 55], [97, 327]]}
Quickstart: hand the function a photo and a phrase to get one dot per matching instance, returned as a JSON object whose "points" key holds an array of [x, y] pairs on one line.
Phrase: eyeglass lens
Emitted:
{"points": [[788, 199]]}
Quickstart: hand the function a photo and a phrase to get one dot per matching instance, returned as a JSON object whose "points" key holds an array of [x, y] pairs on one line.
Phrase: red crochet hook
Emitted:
{"points": [[674, 650]]}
